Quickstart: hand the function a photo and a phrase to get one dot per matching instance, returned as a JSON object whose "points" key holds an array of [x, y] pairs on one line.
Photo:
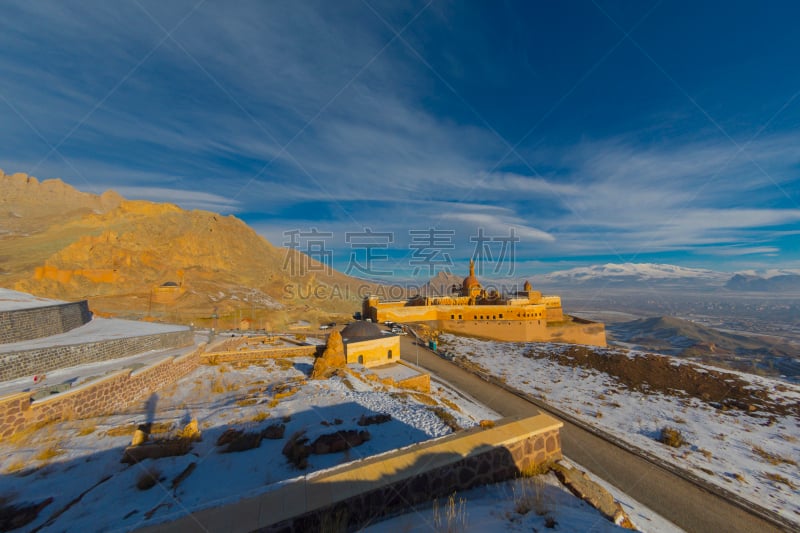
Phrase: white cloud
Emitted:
{"points": [[183, 198]]}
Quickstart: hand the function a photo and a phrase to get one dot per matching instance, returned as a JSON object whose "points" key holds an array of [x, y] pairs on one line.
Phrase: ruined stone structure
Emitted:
{"points": [[524, 316]]}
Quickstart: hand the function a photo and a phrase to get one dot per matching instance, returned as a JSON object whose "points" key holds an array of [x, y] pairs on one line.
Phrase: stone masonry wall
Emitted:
{"points": [[492, 465], [19, 364], [107, 395], [248, 356], [26, 324]]}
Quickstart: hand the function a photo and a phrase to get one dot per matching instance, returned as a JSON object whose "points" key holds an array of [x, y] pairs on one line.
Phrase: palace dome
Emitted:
{"points": [[470, 281], [361, 329]]}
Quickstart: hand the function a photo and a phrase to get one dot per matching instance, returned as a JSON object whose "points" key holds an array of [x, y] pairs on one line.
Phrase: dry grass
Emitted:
{"points": [[260, 417], [286, 393], [773, 458], [706, 453], [451, 519], [119, 431], [24, 435], [536, 470], [671, 437], [529, 495], [87, 430], [273, 403], [451, 405], [245, 402], [15, 466], [777, 478], [49, 453], [445, 416], [284, 364], [423, 398], [486, 424]]}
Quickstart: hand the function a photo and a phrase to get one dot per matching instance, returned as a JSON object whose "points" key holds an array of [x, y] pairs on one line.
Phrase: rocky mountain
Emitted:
{"points": [[788, 282], [613, 274], [137, 259], [442, 284], [676, 336]]}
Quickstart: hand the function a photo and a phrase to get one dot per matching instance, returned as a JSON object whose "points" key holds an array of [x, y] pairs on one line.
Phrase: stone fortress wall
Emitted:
{"points": [[33, 323], [107, 395], [33, 361]]}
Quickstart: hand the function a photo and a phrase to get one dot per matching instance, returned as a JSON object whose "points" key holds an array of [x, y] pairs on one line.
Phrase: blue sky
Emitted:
{"points": [[596, 131]]}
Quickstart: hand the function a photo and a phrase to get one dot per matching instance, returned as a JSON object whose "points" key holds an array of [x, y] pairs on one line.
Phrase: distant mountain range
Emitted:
{"points": [[680, 337], [630, 275], [755, 283]]}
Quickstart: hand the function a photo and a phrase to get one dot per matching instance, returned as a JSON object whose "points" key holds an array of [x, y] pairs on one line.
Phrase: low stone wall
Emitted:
{"points": [[421, 383], [37, 322], [254, 356], [107, 395], [24, 363], [365, 491]]}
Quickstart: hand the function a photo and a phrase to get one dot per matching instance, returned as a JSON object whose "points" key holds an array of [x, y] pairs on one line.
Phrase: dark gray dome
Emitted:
{"points": [[361, 329]]}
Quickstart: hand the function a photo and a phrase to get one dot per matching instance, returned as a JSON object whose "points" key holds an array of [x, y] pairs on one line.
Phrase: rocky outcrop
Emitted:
{"points": [[583, 487], [331, 359]]}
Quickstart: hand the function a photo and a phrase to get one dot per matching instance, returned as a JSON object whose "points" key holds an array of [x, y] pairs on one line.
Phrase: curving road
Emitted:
{"points": [[684, 503]]}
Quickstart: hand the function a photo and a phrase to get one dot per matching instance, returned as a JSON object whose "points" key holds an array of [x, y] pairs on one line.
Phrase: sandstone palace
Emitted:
{"points": [[520, 317]]}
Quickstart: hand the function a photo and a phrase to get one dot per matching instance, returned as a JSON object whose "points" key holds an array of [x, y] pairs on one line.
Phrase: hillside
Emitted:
{"points": [[685, 338], [787, 282], [61, 243]]}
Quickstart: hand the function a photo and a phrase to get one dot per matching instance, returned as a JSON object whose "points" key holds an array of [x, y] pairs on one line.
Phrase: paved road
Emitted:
{"points": [[682, 502]]}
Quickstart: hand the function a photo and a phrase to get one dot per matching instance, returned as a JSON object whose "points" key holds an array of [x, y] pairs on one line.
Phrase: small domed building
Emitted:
{"points": [[365, 344]]}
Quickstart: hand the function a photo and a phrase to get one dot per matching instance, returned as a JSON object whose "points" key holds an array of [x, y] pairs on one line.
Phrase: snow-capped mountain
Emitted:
{"points": [[626, 273]]}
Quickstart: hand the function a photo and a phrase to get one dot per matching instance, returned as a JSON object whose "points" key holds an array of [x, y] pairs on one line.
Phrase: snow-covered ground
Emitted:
{"points": [[524, 504], [744, 453], [13, 300], [67, 459]]}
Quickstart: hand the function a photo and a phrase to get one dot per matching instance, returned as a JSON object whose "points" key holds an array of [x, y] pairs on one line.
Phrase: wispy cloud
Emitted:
{"points": [[267, 110], [186, 199]]}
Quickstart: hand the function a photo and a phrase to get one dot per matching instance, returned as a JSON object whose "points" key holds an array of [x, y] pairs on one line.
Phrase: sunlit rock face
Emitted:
{"points": [[62, 243]]}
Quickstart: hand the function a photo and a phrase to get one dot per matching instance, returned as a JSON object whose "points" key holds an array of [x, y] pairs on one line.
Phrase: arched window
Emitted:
{"points": [[360, 359], [389, 354]]}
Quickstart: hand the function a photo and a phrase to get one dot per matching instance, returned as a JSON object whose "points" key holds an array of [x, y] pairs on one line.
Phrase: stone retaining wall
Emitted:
{"points": [[253, 356], [106, 395], [24, 363], [37, 322], [363, 492]]}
